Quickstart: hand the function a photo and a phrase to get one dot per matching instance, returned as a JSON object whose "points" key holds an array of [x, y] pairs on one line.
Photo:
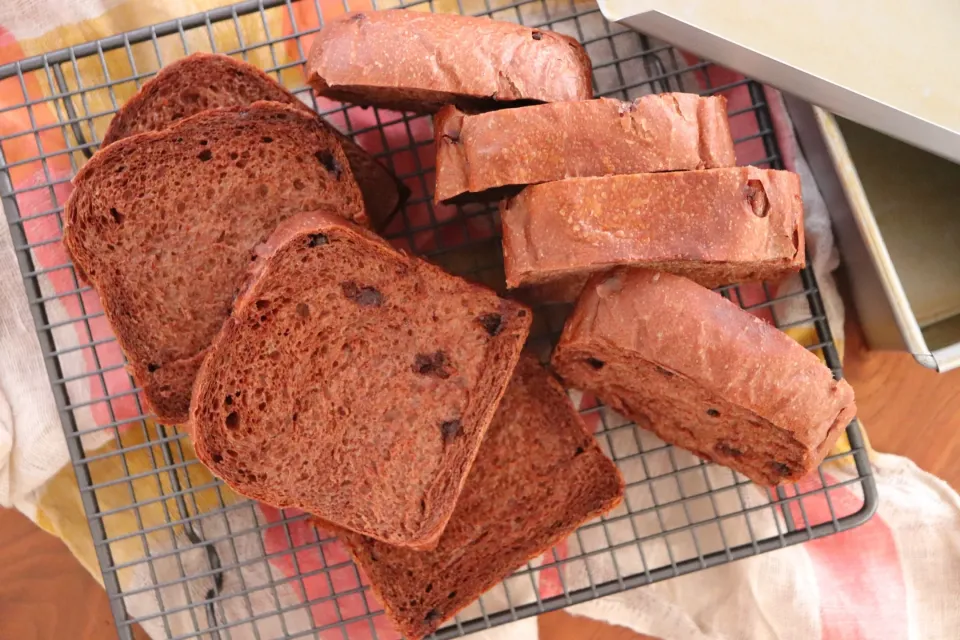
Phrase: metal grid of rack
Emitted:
{"points": [[680, 514]]}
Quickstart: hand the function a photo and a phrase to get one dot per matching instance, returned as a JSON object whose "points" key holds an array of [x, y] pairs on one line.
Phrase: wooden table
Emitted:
{"points": [[45, 593]]}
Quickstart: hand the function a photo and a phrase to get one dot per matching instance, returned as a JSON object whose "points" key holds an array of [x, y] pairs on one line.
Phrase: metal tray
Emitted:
{"points": [[680, 514], [894, 213]]}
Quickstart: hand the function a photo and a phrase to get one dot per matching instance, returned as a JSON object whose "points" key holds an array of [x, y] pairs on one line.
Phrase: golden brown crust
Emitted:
{"points": [[445, 59], [703, 374], [479, 155], [716, 226]]}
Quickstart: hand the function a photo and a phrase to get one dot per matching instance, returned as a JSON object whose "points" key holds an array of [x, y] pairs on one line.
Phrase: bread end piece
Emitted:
{"points": [[703, 374]]}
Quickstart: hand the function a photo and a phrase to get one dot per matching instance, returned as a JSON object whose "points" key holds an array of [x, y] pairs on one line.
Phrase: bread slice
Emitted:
{"points": [[490, 155], [703, 374], [419, 61], [164, 225], [538, 476], [715, 226], [204, 81], [354, 382]]}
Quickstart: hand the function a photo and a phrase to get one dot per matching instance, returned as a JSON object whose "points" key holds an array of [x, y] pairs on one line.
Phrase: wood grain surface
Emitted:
{"points": [[909, 410]]}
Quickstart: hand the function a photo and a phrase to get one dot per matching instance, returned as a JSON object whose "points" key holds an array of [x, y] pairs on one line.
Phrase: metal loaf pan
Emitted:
{"points": [[896, 215], [888, 65]]}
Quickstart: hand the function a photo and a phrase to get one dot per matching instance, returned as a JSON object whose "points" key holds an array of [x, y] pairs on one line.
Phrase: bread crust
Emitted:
{"points": [[716, 226], [478, 156], [415, 61], [704, 374], [204, 81]]}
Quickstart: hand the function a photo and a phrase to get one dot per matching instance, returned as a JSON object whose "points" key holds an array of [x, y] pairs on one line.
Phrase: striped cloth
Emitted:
{"points": [[891, 578]]}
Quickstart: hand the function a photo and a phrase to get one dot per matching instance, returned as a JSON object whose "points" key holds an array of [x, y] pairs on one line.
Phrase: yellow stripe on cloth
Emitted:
{"points": [[133, 504]]}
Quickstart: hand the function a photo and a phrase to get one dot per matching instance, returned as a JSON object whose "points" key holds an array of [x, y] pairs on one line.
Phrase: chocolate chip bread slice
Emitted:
{"points": [[490, 155], [716, 226], [204, 81], [419, 61], [703, 374], [538, 476], [164, 225], [354, 382]]}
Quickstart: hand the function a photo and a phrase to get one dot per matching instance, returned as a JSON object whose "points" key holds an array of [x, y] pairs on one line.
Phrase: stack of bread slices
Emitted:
{"points": [[231, 234]]}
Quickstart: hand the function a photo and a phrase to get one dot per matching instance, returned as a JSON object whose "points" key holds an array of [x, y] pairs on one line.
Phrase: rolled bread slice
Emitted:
{"points": [[490, 155], [703, 374], [539, 475], [204, 81], [716, 226], [354, 382], [419, 61], [164, 224]]}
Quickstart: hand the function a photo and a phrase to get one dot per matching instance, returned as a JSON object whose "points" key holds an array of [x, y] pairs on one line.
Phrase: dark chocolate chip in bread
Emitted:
{"points": [[369, 410]]}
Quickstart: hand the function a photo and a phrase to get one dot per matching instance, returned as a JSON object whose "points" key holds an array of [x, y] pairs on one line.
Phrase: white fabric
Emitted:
{"points": [[776, 596], [32, 446]]}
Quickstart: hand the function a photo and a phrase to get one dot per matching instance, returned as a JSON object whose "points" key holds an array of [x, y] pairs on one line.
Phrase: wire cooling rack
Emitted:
{"points": [[179, 556]]}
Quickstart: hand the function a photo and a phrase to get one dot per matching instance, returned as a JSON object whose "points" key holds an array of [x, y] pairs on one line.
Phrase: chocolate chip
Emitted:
{"points": [[364, 296], [663, 371], [266, 139], [491, 322], [537, 35], [228, 400], [233, 420], [713, 413], [116, 215], [432, 616], [780, 469], [578, 452], [451, 595], [596, 364], [216, 458], [450, 429], [757, 198], [429, 587], [725, 448], [433, 364], [317, 240], [205, 155], [329, 163], [152, 367]]}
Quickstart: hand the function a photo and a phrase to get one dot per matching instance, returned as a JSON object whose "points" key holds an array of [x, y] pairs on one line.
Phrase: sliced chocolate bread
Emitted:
{"points": [[490, 155], [354, 382], [703, 374], [538, 476], [419, 61], [716, 226], [204, 81], [164, 225]]}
